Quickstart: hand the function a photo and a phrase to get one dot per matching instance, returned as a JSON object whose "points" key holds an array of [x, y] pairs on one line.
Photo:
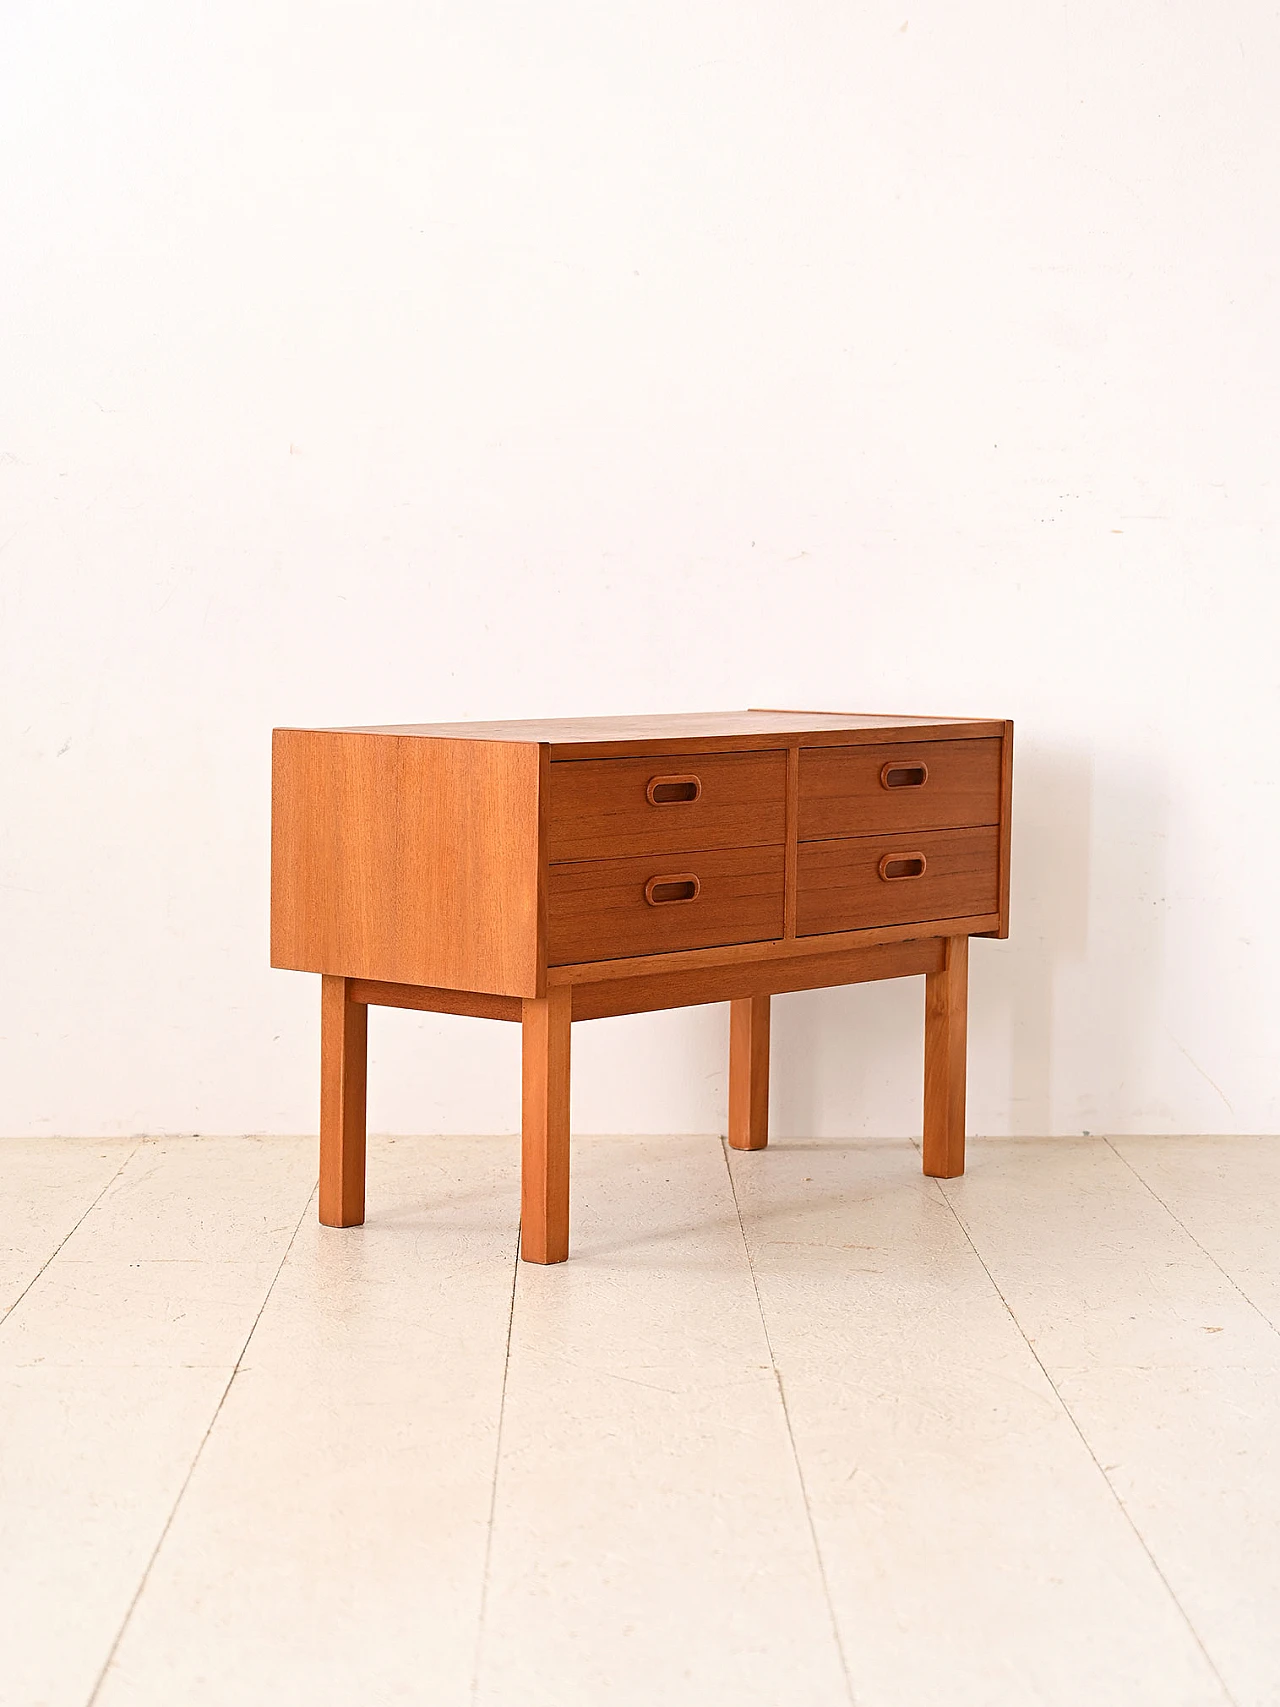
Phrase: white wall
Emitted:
{"points": [[396, 362]]}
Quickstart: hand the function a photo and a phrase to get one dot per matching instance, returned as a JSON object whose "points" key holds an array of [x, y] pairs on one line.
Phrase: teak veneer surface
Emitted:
{"points": [[597, 908], [734, 954], [1006, 829], [843, 791], [733, 981], [470, 1004], [682, 981], [841, 887], [407, 862], [601, 808], [612, 737]]}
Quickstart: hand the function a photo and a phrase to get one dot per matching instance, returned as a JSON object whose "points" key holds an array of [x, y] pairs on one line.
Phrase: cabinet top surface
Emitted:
{"points": [[727, 728]]}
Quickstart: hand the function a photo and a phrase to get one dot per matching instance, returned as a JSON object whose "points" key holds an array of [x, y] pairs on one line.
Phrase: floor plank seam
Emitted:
{"points": [[791, 1438], [1146, 1184], [493, 1495], [6, 1313], [1084, 1440], [191, 1469]]}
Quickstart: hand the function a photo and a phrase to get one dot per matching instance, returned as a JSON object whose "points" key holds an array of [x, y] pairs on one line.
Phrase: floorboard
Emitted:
{"points": [[1224, 1192], [330, 1547], [968, 1536], [1169, 1370], [797, 1426], [112, 1368], [650, 1535], [49, 1185]]}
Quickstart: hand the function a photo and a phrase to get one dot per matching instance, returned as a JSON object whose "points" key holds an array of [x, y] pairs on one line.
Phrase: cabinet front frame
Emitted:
{"points": [[987, 924]]}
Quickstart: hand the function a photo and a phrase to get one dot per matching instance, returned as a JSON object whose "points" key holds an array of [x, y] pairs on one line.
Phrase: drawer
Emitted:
{"points": [[930, 785], [862, 881], [605, 909], [607, 808]]}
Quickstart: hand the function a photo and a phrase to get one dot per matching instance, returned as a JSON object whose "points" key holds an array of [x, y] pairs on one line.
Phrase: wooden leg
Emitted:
{"points": [[544, 1176], [344, 1032], [749, 1073], [946, 1006]]}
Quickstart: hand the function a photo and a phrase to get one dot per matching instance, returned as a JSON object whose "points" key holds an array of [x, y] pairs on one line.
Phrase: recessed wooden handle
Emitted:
{"points": [[912, 775], [664, 891], [673, 790], [898, 865]]}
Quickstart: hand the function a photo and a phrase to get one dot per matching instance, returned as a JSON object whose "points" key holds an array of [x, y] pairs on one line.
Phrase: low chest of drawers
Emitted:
{"points": [[550, 872]]}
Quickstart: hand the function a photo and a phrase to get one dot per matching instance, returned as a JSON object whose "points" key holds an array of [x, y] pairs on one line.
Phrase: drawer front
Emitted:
{"points": [[605, 909], [931, 785], [863, 881], [608, 808]]}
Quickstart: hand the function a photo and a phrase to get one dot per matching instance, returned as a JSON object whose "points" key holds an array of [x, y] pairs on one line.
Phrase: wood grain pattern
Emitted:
{"points": [[343, 1054], [1006, 830], [413, 862], [764, 953], [945, 1048], [471, 1004], [542, 905], [609, 997], [712, 731], [544, 1176], [842, 792], [598, 909], [793, 831], [600, 809], [749, 1073], [840, 886]]}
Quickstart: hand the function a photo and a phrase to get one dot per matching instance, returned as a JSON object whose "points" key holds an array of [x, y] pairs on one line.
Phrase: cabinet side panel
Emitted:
{"points": [[406, 860], [1006, 831], [1006, 824]]}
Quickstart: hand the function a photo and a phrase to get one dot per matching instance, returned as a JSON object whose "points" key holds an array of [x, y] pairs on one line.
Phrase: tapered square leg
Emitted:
{"points": [[749, 1073], [946, 1013], [544, 1171], [344, 1032]]}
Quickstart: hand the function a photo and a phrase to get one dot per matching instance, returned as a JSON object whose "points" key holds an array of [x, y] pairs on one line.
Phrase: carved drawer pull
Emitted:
{"points": [[673, 790], [664, 891], [913, 775], [898, 865]]}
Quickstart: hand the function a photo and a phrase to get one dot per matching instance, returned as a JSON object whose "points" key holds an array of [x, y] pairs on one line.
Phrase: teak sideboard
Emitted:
{"points": [[547, 872]]}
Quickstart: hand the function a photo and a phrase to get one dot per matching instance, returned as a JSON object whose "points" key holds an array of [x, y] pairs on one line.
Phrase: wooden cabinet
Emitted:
{"points": [[547, 872]]}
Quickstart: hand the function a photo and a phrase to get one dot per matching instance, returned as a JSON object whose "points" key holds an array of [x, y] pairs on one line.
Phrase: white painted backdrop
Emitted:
{"points": [[390, 362]]}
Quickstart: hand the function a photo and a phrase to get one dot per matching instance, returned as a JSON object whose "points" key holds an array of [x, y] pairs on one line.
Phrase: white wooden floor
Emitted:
{"points": [[798, 1427]]}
